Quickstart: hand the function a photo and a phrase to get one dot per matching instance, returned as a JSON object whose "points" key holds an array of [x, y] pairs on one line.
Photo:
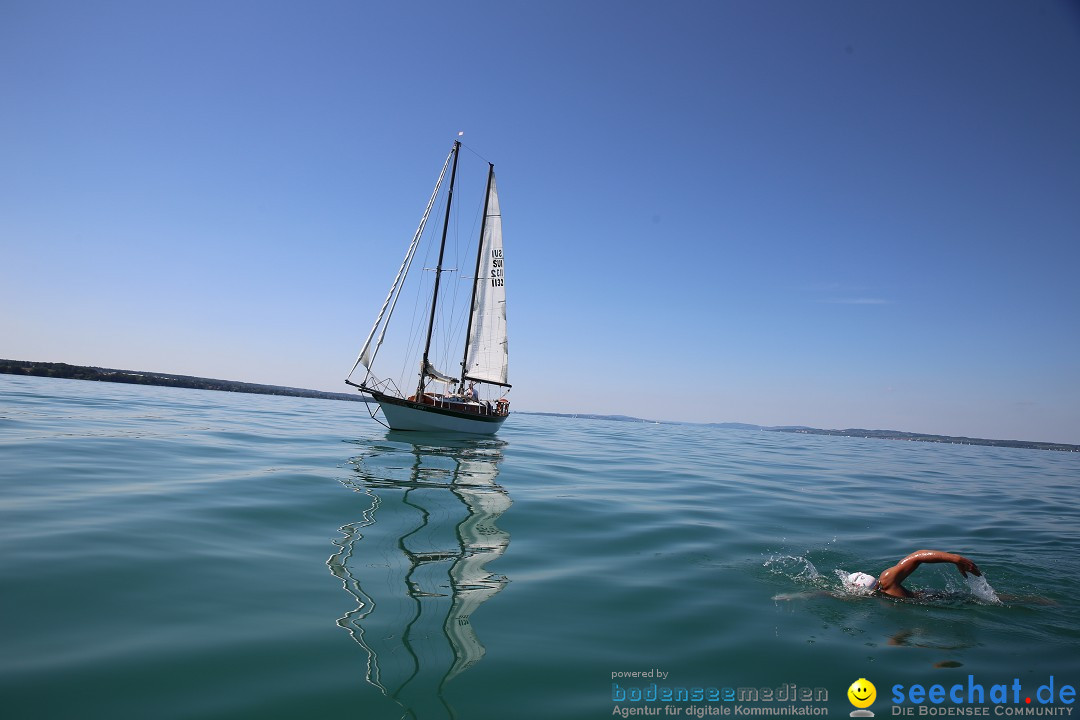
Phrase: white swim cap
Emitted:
{"points": [[862, 581]]}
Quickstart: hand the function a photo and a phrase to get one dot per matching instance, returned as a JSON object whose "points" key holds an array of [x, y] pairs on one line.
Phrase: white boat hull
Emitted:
{"points": [[404, 415]]}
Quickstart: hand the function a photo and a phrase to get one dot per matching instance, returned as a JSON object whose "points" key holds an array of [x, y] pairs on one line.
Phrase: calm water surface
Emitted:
{"points": [[170, 553]]}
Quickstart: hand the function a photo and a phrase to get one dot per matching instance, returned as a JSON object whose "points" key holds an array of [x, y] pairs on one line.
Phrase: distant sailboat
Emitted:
{"points": [[458, 408]]}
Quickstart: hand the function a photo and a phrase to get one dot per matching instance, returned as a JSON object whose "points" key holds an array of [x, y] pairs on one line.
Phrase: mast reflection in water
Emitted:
{"points": [[415, 563]]}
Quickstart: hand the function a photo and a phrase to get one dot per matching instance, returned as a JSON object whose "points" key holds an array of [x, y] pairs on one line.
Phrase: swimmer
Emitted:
{"points": [[890, 581]]}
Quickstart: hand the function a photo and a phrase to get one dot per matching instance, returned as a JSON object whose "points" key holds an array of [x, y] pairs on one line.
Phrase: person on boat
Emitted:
{"points": [[472, 394], [890, 582]]}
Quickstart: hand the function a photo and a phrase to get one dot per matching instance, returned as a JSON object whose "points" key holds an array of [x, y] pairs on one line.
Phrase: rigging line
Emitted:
{"points": [[452, 314], [414, 346], [414, 338], [459, 304], [451, 305], [475, 153]]}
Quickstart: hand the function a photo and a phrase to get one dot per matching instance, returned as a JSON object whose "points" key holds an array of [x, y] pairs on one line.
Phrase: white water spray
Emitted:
{"points": [[981, 589]]}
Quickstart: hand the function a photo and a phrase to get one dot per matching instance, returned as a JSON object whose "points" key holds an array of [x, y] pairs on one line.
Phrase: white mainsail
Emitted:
{"points": [[486, 356]]}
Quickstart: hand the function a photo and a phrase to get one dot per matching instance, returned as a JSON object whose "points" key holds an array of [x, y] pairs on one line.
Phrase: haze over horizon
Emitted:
{"points": [[835, 215]]}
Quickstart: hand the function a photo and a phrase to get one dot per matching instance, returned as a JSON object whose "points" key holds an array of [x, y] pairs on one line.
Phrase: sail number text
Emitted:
{"points": [[496, 268]]}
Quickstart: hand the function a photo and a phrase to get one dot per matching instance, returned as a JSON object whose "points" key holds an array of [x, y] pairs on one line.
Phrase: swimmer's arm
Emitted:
{"points": [[899, 572]]}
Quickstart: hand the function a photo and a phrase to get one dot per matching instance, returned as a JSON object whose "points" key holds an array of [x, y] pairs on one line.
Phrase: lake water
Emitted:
{"points": [[169, 553]]}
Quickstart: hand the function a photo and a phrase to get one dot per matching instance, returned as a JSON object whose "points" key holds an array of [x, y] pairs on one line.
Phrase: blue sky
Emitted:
{"points": [[837, 214]]}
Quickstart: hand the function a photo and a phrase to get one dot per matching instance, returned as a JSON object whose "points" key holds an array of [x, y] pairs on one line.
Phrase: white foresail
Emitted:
{"points": [[486, 359], [367, 353]]}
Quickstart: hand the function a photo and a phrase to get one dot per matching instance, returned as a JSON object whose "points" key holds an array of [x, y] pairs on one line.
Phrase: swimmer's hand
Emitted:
{"points": [[965, 566]]}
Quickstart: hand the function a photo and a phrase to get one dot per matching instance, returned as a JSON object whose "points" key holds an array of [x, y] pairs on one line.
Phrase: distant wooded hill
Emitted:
{"points": [[80, 372]]}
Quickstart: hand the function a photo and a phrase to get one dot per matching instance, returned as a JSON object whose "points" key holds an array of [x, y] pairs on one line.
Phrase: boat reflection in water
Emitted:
{"points": [[416, 562]]}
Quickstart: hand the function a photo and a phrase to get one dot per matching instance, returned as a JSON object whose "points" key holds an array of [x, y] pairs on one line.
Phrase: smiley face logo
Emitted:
{"points": [[862, 693]]}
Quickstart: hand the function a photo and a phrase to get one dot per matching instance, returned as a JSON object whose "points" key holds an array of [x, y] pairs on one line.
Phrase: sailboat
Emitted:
{"points": [[456, 406]]}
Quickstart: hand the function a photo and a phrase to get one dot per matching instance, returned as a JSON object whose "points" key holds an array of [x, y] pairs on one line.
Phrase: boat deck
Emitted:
{"points": [[460, 404]]}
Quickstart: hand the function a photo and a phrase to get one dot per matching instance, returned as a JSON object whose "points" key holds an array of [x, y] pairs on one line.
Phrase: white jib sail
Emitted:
{"points": [[487, 356], [367, 354]]}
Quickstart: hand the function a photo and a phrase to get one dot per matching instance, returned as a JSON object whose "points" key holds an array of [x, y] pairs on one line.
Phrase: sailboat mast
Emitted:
{"points": [[476, 276], [438, 275]]}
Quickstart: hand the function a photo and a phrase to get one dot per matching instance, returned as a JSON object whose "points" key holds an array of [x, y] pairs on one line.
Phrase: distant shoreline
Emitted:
{"points": [[921, 437], [81, 372], [850, 432]]}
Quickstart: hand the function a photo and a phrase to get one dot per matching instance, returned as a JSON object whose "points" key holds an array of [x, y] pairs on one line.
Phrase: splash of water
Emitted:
{"points": [[982, 590], [795, 567]]}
